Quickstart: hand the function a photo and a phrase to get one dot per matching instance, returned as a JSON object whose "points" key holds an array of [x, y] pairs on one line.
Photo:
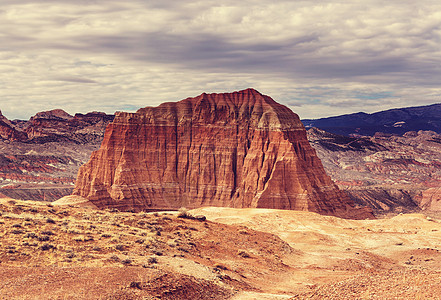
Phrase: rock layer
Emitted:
{"points": [[40, 157], [239, 149], [384, 172], [8, 132]]}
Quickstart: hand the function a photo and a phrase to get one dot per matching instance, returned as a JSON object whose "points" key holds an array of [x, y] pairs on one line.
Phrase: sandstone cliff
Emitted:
{"points": [[430, 199], [8, 132], [240, 149]]}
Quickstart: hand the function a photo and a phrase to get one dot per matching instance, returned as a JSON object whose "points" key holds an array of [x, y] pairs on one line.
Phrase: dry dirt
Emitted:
{"points": [[68, 252]]}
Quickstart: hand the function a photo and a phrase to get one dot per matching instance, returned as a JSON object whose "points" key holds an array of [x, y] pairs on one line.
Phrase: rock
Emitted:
{"points": [[8, 132], [238, 149], [385, 172], [56, 125], [74, 201], [431, 199], [43, 166]]}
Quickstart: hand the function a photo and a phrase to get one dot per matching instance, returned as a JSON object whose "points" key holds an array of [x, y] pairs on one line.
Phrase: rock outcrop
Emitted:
{"points": [[56, 125], [238, 149], [385, 172], [8, 132], [430, 199], [39, 158]]}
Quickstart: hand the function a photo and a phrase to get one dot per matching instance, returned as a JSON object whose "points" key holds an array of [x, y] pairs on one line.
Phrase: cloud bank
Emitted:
{"points": [[320, 58]]}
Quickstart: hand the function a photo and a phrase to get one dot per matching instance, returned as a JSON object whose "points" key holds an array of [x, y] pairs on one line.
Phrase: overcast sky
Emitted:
{"points": [[320, 58]]}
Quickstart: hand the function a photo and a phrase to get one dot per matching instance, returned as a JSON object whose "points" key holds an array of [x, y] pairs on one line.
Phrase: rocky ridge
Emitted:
{"points": [[39, 158], [394, 121], [238, 149], [385, 172]]}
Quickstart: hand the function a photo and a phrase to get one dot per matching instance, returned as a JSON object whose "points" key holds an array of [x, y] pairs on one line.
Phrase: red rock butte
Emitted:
{"points": [[239, 149]]}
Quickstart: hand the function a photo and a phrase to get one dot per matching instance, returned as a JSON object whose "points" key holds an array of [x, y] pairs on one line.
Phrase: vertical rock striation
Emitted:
{"points": [[238, 149]]}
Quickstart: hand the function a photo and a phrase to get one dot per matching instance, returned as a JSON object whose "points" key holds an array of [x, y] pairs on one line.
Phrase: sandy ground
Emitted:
{"points": [[70, 252], [337, 250]]}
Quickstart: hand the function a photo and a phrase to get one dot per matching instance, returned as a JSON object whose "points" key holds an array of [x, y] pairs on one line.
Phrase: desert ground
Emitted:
{"points": [[74, 252]]}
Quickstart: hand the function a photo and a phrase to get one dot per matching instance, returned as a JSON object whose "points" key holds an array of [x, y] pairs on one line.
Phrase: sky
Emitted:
{"points": [[320, 58]]}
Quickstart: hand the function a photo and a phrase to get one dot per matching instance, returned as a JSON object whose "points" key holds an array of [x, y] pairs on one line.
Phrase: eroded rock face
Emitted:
{"points": [[55, 125], [385, 172], [240, 149], [39, 158], [8, 132], [430, 199]]}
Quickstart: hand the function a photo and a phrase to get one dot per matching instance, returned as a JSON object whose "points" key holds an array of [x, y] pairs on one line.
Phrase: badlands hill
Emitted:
{"points": [[69, 252], [39, 158], [238, 149], [387, 173]]}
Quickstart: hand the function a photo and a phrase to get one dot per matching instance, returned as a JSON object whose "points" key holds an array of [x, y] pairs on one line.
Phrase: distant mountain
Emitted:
{"points": [[393, 121]]}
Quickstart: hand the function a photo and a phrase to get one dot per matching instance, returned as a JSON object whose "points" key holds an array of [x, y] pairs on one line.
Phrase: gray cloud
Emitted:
{"points": [[320, 57], [73, 79]]}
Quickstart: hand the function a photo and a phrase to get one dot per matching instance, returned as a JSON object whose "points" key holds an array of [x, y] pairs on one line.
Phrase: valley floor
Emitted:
{"points": [[68, 252]]}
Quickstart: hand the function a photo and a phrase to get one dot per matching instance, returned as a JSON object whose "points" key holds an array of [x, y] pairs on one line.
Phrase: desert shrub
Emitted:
{"points": [[135, 285], [46, 247], [44, 238], [126, 261], [114, 258], [78, 238], [17, 231], [49, 220], [17, 226], [220, 267], [106, 235], [115, 240], [88, 238], [183, 249], [31, 235], [70, 255], [152, 260], [48, 232], [119, 247], [183, 213], [243, 253]]}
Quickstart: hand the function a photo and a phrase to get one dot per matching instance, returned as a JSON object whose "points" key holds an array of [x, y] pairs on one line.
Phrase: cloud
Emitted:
{"points": [[73, 79], [319, 57]]}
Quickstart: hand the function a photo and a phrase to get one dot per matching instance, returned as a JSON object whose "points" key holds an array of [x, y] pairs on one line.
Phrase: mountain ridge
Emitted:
{"points": [[393, 121]]}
